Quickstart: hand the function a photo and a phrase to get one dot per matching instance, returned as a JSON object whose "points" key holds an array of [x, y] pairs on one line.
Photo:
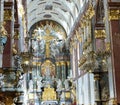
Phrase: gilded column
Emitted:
{"points": [[114, 17]]}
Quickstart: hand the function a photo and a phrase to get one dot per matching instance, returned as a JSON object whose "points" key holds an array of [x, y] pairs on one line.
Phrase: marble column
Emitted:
{"points": [[109, 60], [97, 89], [68, 68], [58, 71], [1, 20], [63, 70], [7, 53], [114, 16]]}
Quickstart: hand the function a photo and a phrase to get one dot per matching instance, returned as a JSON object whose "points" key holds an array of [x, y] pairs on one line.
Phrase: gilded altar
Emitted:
{"points": [[49, 94]]}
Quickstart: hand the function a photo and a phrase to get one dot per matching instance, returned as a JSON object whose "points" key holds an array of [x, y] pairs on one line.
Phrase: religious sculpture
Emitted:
{"points": [[47, 76], [31, 85], [21, 81], [38, 46], [39, 83], [59, 85], [54, 48], [66, 83], [39, 32], [17, 62], [3, 38]]}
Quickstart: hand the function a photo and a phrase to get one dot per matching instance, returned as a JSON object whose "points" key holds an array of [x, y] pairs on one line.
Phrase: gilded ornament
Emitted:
{"points": [[14, 50], [49, 94], [81, 24], [16, 35], [96, 76], [50, 65], [82, 60], [107, 46], [91, 11], [100, 34], [113, 102], [7, 15], [68, 63], [62, 63], [114, 14], [57, 63], [79, 38], [3, 31]]}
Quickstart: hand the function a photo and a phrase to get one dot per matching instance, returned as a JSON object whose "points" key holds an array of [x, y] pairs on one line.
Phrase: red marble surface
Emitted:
{"points": [[115, 40], [7, 49], [100, 45]]}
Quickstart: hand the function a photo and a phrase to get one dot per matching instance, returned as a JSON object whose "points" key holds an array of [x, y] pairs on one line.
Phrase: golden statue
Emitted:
{"points": [[3, 32], [48, 38]]}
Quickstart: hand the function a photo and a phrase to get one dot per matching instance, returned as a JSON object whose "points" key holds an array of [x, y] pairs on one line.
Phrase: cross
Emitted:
{"points": [[48, 38]]}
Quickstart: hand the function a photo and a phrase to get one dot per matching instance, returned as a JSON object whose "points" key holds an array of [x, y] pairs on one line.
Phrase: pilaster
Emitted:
{"points": [[114, 18], [7, 53]]}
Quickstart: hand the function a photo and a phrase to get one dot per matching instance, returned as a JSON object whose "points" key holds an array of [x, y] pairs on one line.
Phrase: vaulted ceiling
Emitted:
{"points": [[65, 12]]}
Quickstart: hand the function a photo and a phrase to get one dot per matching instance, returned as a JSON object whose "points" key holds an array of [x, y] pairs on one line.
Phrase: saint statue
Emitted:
{"points": [[39, 83], [3, 37], [66, 83], [59, 85], [21, 81]]}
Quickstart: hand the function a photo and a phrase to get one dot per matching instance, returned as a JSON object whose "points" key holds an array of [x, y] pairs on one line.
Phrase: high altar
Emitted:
{"points": [[49, 76]]}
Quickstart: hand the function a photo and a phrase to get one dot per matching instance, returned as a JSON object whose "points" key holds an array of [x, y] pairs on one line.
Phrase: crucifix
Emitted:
{"points": [[47, 39]]}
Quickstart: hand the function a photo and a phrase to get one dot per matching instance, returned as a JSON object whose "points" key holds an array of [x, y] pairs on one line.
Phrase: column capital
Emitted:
{"points": [[114, 14], [57, 63], [68, 63], [7, 14], [114, 10], [100, 34], [62, 62]]}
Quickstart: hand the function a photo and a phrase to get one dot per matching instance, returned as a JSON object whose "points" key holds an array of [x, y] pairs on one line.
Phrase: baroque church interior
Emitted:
{"points": [[59, 52]]}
